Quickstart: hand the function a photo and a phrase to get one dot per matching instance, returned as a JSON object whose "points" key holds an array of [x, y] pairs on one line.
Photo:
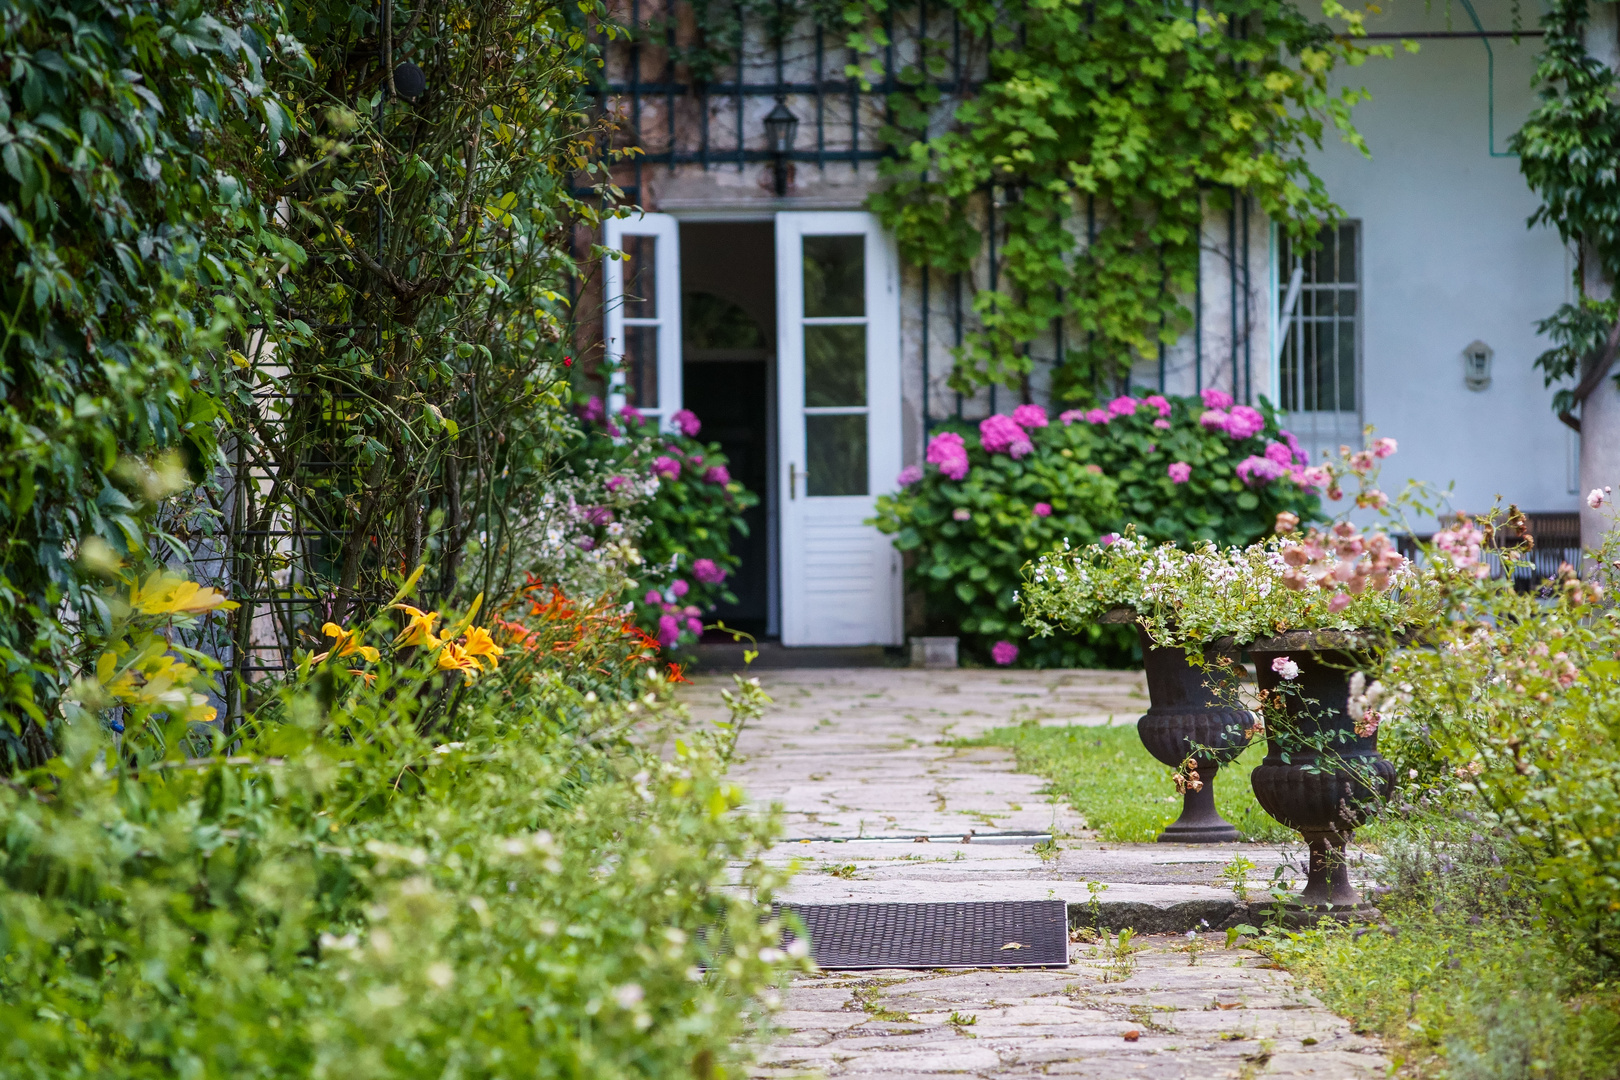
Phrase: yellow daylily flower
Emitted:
{"points": [[419, 631], [455, 658], [170, 594], [481, 645], [345, 643]]}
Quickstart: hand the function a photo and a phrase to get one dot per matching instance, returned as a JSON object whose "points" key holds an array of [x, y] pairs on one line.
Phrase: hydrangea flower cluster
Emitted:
{"points": [[1002, 434], [949, 452]]}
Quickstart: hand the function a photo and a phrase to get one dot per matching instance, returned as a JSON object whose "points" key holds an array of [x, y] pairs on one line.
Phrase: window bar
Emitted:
{"points": [[928, 418], [821, 103], [742, 35], [1232, 279], [995, 278], [634, 51], [703, 125], [956, 316], [1198, 302], [781, 32], [1248, 304], [669, 80], [854, 114], [1057, 332]]}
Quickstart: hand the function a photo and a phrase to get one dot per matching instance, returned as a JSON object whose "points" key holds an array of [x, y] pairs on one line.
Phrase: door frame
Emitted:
{"points": [[667, 270]]}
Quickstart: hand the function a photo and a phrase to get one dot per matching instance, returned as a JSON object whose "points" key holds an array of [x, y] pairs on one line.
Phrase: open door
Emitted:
{"points": [[642, 298], [838, 394]]}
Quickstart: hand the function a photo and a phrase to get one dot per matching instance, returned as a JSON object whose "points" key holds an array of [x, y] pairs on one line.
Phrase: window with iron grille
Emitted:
{"points": [[1319, 369]]}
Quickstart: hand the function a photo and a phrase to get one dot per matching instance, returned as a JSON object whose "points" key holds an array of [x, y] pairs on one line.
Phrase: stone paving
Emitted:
{"points": [[857, 761]]}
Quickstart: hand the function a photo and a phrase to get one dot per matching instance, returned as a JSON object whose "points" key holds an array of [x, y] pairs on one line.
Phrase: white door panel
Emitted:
{"points": [[642, 298], [838, 392]]}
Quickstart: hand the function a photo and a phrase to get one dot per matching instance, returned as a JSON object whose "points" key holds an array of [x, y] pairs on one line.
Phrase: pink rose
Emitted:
{"points": [[909, 475], [1043, 509], [1029, 416], [1071, 415], [1180, 471], [1123, 406], [1339, 602], [1316, 476], [1004, 652], [707, 572], [1159, 403], [688, 422], [1383, 448], [666, 467], [1216, 399]]}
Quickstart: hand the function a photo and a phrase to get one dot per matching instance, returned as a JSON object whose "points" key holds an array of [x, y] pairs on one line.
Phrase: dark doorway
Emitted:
{"points": [[728, 326]]}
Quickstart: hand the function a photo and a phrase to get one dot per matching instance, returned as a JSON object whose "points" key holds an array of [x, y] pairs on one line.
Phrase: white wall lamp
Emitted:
{"points": [[1477, 365]]}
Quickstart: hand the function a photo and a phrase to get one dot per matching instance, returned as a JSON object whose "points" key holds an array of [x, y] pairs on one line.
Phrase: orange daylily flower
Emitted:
{"points": [[481, 645], [419, 631], [455, 658], [345, 643], [170, 594]]}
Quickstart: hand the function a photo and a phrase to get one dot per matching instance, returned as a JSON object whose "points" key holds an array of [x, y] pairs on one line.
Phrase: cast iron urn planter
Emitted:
{"points": [[1186, 718], [1319, 777]]}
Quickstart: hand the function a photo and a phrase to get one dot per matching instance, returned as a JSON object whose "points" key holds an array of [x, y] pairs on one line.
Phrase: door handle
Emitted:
{"points": [[794, 472]]}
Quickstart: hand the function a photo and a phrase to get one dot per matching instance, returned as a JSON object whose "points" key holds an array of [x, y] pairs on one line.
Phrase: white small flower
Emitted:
{"points": [[628, 996]]}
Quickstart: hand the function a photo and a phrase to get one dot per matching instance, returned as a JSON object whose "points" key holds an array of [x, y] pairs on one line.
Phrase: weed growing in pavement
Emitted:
{"points": [[1119, 955], [868, 996], [1236, 875], [842, 870]]}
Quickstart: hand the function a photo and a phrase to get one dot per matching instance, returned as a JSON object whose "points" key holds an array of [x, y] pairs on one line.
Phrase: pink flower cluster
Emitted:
{"points": [[666, 467], [1342, 562], [707, 572], [1240, 423], [1029, 416], [948, 452], [1120, 406], [909, 475], [1180, 472], [1001, 434], [1461, 544], [688, 423], [1004, 652], [676, 616]]}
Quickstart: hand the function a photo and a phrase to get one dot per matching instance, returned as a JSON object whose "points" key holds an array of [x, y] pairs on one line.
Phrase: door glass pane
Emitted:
{"points": [[834, 365], [641, 366], [640, 267], [834, 276], [835, 454]]}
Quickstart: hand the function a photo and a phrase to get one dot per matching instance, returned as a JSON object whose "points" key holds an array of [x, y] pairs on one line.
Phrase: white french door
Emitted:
{"points": [[642, 309], [838, 399]]}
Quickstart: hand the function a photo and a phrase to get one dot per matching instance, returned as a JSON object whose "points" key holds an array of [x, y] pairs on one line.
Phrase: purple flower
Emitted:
{"points": [[1071, 415], [669, 631], [998, 433], [680, 588], [948, 451], [666, 467], [718, 474], [1280, 453], [1216, 399], [596, 515], [1098, 416], [1180, 472], [592, 410], [1293, 444], [1107, 538], [632, 415], [707, 572], [909, 475], [1244, 422], [1123, 406], [1043, 509], [1252, 470], [688, 422], [1003, 652], [1029, 416], [616, 482], [1214, 419], [652, 597], [695, 625], [1158, 403], [584, 543]]}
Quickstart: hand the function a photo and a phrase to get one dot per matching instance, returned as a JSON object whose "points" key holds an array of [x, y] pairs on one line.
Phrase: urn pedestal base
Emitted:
{"points": [[1199, 822]]}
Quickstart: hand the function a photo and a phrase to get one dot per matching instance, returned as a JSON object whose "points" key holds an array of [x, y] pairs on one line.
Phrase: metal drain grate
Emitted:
{"points": [[1021, 933]]}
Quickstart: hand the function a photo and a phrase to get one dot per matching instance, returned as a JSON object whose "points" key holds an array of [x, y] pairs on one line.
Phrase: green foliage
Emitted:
{"points": [[1120, 789], [133, 250], [1104, 135], [1564, 149], [390, 878], [969, 539]]}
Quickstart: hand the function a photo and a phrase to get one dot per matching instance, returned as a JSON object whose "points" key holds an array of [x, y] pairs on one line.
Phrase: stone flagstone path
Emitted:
{"points": [[853, 754]]}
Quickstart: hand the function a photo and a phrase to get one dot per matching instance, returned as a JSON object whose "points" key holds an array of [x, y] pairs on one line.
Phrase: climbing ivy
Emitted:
{"points": [[1567, 151], [1106, 131]]}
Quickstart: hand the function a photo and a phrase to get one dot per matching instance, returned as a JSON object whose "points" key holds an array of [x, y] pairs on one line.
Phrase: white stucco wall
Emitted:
{"points": [[1448, 259]]}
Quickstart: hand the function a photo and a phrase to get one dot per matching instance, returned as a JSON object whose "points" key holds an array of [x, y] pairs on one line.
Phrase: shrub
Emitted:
{"points": [[687, 518], [428, 855], [990, 500]]}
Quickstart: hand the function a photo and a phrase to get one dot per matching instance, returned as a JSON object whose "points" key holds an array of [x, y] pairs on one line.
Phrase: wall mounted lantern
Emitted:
{"points": [[1477, 365], [781, 128]]}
